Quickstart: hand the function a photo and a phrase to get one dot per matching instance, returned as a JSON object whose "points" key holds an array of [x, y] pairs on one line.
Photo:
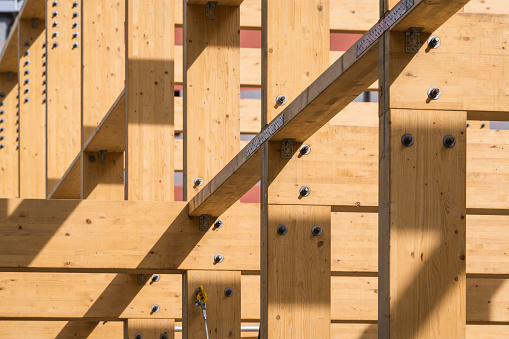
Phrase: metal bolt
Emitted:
{"points": [[304, 191], [304, 149], [281, 100], [27, 43], [55, 44], [27, 81], [75, 14], [55, 34], [44, 62], [44, 44], [55, 23], [27, 72], [75, 35], [91, 158], [17, 146], [75, 45], [1, 103], [163, 336], [282, 229], [75, 4], [2, 129], [2, 146], [44, 91], [228, 291], [27, 62], [44, 54], [198, 181], [55, 13], [44, 82], [155, 308], [138, 336], [434, 93], [2, 137], [218, 258], [55, 3], [43, 100], [449, 141], [27, 53], [75, 24], [218, 223], [434, 42], [27, 90], [407, 140], [155, 277], [2, 112], [483, 125], [27, 99], [316, 230]]}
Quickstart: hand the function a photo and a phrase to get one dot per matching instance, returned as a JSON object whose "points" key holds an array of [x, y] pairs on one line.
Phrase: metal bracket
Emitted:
{"points": [[287, 148], [35, 22], [142, 279], [210, 10], [204, 222], [413, 40], [9, 76], [101, 156]]}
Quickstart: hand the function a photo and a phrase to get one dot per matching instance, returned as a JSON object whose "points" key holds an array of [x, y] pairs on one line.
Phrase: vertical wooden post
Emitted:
{"points": [[211, 92], [150, 328], [150, 97], [63, 89], [9, 155], [32, 108], [292, 304], [223, 311], [211, 140], [103, 81], [422, 209]]}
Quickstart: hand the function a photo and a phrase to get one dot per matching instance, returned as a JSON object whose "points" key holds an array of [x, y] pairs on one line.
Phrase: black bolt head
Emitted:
{"points": [[282, 229], [164, 336], [434, 42], [449, 141], [407, 140], [228, 291], [91, 158], [138, 336], [304, 191], [316, 230], [304, 149]]}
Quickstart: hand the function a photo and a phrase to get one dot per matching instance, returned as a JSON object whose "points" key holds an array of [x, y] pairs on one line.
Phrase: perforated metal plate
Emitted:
{"points": [[382, 27], [271, 129]]}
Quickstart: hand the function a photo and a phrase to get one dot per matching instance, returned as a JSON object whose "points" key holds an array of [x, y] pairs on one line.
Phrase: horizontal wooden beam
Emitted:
{"points": [[219, 2], [114, 236], [118, 296], [349, 76], [22, 329]]}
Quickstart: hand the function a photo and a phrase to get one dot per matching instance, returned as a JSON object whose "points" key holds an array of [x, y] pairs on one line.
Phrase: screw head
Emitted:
{"points": [[75, 35], [155, 308], [55, 44], [75, 4], [218, 258], [407, 140], [304, 191], [27, 99], [316, 230], [163, 336], [2, 137], [218, 223], [434, 42], [281, 100], [75, 14], [55, 3], [27, 43], [304, 149], [228, 291], [27, 90], [2, 146], [434, 93], [198, 181], [483, 125], [75, 24], [155, 277], [91, 158], [27, 72], [449, 141], [138, 336], [27, 53], [2, 112], [282, 229], [55, 13], [55, 23], [75, 45]]}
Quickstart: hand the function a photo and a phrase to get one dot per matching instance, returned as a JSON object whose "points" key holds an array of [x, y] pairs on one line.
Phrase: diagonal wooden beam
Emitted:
{"points": [[349, 76]]}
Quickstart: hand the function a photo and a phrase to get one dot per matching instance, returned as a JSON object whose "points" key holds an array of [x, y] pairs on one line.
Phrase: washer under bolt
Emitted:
{"points": [[2, 112], [75, 35], [434, 93], [281, 100], [449, 141], [55, 13], [75, 45], [282, 229], [55, 44], [228, 291], [434, 42], [138, 336], [27, 72], [27, 90], [27, 62], [27, 99], [218, 223], [27, 43], [75, 4], [304, 191], [304, 149], [2, 146], [75, 24], [155, 308], [155, 277], [198, 181], [75, 14], [2, 137], [55, 34], [316, 230], [27, 81], [27, 53], [407, 140], [218, 258], [55, 23], [55, 3]]}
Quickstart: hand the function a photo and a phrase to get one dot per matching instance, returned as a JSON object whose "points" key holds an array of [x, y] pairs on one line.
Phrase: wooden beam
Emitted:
{"points": [[9, 153], [32, 109], [33, 9], [69, 186], [63, 91], [103, 179], [151, 328], [223, 312], [16, 329], [211, 103], [149, 109], [331, 92], [235, 3]]}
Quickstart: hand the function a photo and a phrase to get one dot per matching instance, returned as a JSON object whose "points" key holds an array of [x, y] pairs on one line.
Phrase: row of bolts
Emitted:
{"points": [[55, 34]]}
